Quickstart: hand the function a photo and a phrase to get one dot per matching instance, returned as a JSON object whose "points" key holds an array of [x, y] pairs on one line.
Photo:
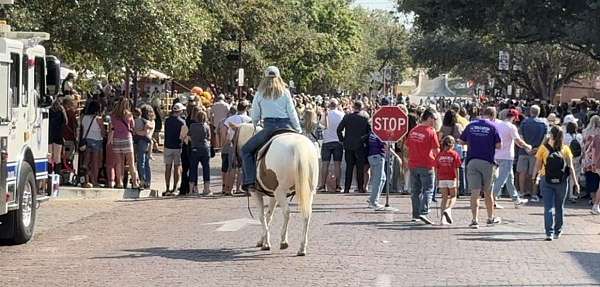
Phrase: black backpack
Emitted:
{"points": [[575, 147], [556, 166]]}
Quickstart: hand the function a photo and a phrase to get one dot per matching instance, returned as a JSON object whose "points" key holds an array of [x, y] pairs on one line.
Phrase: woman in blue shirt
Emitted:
{"points": [[274, 106]]}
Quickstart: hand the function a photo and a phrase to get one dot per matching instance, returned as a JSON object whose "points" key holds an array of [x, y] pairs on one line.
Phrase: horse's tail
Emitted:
{"points": [[305, 178]]}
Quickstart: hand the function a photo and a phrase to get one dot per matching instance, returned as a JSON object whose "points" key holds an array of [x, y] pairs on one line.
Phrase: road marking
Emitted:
{"points": [[234, 224], [77, 238], [383, 280]]}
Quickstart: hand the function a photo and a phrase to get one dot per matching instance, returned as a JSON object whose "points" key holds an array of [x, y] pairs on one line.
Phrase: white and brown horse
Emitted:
{"points": [[290, 165]]}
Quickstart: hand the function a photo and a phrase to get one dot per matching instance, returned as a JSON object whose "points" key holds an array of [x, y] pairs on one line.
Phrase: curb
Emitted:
{"points": [[70, 193]]}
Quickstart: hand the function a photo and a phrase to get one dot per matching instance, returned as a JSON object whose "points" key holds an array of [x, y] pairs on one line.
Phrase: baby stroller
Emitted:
{"points": [[70, 163]]}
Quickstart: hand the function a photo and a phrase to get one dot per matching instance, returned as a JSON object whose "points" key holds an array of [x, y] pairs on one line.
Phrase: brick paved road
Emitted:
{"points": [[168, 241]]}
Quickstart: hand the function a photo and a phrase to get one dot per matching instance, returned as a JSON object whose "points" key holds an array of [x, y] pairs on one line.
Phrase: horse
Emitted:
{"points": [[290, 165]]}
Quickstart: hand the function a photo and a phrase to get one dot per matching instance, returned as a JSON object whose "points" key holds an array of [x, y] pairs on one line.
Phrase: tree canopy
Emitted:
{"points": [[464, 37], [322, 45]]}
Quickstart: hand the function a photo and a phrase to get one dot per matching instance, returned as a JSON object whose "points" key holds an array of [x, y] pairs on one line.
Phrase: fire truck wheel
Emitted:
{"points": [[24, 217]]}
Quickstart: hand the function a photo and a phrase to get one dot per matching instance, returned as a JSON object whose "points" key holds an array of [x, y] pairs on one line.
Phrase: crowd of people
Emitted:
{"points": [[527, 150]]}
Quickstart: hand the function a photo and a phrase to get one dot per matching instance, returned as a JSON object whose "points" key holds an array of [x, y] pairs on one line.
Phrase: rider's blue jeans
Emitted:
{"points": [[270, 125]]}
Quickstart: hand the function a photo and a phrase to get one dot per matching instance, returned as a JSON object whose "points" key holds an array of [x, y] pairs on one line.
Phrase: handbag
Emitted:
{"points": [[82, 142]]}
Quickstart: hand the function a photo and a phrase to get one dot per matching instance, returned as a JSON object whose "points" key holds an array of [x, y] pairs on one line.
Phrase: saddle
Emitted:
{"points": [[266, 182]]}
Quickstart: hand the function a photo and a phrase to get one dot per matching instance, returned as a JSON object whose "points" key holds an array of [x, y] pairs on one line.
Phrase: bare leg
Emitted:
{"points": [[489, 204], [451, 198], [523, 178], [337, 165], [444, 192], [118, 170], [324, 172], [176, 176], [168, 175], [132, 170], [475, 204], [238, 183]]}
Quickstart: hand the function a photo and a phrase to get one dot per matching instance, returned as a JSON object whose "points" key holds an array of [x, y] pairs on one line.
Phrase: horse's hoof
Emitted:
{"points": [[265, 248], [301, 253], [284, 245]]}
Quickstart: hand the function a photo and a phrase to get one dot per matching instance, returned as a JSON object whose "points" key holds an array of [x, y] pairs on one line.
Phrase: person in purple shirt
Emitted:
{"points": [[376, 157], [483, 139]]}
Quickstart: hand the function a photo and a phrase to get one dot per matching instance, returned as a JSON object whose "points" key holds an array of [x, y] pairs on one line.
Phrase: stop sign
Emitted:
{"points": [[390, 123]]}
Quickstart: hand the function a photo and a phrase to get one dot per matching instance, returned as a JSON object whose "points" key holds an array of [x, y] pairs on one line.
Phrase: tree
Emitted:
{"points": [[572, 24], [541, 70], [309, 40], [383, 45], [115, 34]]}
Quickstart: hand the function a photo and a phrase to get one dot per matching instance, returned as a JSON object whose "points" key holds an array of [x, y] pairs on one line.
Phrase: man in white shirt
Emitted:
{"points": [[332, 147], [505, 156], [229, 172]]}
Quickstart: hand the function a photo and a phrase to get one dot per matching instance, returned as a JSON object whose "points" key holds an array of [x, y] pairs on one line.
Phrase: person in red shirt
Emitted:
{"points": [[447, 164], [423, 147]]}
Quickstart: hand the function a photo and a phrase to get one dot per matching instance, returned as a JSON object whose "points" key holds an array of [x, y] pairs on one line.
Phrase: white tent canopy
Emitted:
{"points": [[154, 74], [431, 88]]}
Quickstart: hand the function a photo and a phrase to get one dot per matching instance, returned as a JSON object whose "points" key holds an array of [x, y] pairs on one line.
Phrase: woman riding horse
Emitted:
{"points": [[274, 106]]}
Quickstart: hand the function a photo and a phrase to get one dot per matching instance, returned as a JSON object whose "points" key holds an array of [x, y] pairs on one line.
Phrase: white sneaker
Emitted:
{"points": [[596, 210], [520, 202], [375, 206], [535, 198]]}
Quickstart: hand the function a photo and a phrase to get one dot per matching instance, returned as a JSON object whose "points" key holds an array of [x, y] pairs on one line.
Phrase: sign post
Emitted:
{"points": [[390, 124]]}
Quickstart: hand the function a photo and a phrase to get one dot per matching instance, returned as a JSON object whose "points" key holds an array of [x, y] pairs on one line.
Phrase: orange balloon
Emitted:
{"points": [[197, 90]]}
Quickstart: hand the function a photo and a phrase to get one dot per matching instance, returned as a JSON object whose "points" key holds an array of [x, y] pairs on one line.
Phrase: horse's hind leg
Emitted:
{"points": [[285, 208], [302, 251]]}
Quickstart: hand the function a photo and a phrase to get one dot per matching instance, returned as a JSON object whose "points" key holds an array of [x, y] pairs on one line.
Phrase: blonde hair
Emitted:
{"points": [[272, 87], [310, 119], [200, 116], [594, 123], [122, 110]]}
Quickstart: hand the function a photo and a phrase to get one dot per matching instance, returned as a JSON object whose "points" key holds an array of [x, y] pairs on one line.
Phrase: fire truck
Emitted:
{"points": [[26, 78]]}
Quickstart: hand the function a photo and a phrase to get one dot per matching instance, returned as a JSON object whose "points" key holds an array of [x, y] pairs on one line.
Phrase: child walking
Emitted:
{"points": [[447, 165]]}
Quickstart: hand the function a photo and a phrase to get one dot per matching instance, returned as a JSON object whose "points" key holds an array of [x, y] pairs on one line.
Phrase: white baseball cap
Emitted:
{"points": [[570, 119], [272, 72], [178, 107]]}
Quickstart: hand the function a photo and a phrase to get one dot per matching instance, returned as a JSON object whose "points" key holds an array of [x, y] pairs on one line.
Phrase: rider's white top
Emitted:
{"points": [[282, 107]]}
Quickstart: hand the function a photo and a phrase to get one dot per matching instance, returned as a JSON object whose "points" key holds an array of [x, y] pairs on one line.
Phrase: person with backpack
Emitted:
{"points": [[553, 168], [575, 142]]}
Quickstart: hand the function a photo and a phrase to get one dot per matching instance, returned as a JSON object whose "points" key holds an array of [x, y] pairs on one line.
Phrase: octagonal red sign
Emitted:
{"points": [[390, 123]]}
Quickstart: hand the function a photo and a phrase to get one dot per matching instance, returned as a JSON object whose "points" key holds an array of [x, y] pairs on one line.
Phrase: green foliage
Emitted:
{"points": [[541, 69], [573, 24], [322, 45], [116, 34]]}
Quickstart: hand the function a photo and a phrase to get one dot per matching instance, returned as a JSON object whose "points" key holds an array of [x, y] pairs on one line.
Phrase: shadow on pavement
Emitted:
{"points": [[398, 225], [589, 261], [196, 255], [502, 236]]}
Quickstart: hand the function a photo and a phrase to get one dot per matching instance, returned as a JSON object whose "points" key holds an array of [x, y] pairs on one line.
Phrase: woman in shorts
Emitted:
{"points": [[92, 131], [121, 139]]}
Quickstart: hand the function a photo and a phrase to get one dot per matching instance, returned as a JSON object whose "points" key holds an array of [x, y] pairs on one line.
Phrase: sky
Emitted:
{"points": [[376, 4]]}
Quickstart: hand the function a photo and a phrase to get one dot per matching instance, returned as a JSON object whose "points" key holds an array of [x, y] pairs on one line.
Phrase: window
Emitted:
{"points": [[25, 83], [38, 79], [15, 69], [4, 96]]}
